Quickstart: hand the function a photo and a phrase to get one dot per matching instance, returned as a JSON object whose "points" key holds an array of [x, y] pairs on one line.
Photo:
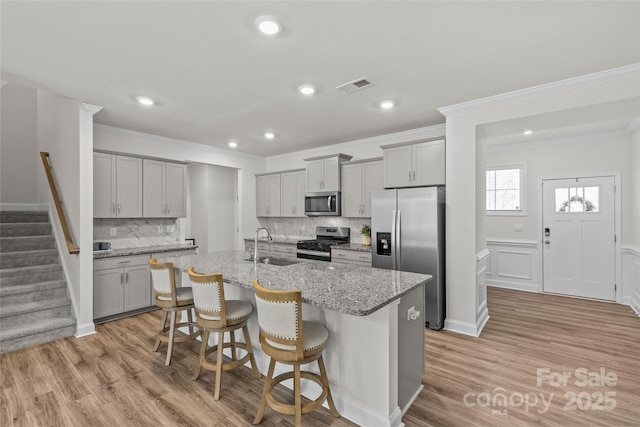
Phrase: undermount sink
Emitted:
{"points": [[275, 261]]}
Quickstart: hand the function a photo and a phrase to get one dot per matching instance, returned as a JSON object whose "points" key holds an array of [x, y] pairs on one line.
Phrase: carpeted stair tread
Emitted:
{"points": [[6, 272], [26, 258], [33, 306], [36, 327], [31, 287], [25, 229], [23, 216], [27, 243]]}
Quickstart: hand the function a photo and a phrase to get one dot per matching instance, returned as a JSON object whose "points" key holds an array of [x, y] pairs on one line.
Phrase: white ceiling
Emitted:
{"points": [[216, 79]]}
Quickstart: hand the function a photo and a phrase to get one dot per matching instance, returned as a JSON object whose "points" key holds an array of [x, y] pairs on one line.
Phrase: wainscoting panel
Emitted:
{"points": [[514, 264], [631, 278]]}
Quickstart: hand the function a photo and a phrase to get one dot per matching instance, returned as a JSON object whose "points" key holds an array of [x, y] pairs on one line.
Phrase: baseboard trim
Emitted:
{"points": [[514, 286], [85, 329], [471, 329]]}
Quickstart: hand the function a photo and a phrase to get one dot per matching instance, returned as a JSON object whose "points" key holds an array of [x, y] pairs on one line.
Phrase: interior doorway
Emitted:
{"points": [[213, 194], [579, 236]]}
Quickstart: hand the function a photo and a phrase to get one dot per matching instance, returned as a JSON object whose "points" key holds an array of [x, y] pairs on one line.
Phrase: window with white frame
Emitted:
{"points": [[505, 190]]}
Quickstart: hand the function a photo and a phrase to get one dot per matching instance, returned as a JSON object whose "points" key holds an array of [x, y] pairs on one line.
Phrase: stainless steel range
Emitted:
{"points": [[320, 247]]}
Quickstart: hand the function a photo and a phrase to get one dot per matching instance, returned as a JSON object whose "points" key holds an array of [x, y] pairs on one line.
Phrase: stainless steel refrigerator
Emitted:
{"points": [[407, 233]]}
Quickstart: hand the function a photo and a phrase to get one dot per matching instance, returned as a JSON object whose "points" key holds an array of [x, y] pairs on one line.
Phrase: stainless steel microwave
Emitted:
{"points": [[322, 204]]}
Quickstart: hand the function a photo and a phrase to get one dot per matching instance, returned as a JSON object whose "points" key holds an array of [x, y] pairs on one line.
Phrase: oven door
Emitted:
{"points": [[322, 204], [316, 255]]}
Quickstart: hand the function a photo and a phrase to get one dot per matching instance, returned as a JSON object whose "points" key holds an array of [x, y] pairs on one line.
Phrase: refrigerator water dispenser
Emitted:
{"points": [[383, 245]]}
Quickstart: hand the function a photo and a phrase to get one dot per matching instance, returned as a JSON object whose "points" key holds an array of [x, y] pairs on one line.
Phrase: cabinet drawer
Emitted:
{"points": [[351, 257], [284, 249], [119, 262]]}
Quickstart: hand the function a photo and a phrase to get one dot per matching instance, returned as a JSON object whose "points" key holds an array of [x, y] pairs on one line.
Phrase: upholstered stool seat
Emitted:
{"points": [[171, 299], [287, 339], [214, 314]]}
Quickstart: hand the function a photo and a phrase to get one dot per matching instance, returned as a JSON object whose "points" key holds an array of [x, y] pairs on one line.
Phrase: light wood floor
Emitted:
{"points": [[113, 379]]}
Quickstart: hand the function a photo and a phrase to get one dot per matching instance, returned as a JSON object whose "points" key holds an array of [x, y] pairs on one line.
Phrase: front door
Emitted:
{"points": [[578, 235]]}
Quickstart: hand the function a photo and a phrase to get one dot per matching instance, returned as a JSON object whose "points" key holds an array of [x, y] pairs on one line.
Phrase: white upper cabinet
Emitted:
{"points": [[164, 189], [293, 185], [117, 186], [358, 181], [414, 164], [268, 195], [323, 173]]}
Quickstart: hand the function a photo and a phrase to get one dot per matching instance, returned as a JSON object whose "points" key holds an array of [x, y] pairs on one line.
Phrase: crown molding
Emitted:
{"points": [[90, 108], [554, 141], [434, 131], [545, 89], [196, 145], [634, 126]]}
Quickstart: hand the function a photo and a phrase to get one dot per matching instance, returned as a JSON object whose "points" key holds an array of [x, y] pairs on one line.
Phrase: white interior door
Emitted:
{"points": [[578, 235]]}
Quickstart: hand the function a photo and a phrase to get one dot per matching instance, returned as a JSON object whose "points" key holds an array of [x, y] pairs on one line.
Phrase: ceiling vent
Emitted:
{"points": [[354, 86]]}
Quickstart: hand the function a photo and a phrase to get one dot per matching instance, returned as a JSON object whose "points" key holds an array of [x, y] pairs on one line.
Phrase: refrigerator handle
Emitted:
{"points": [[394, 265], [398, 255]]}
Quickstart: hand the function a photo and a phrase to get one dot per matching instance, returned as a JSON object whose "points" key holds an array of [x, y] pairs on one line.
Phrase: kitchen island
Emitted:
{"points": [[375, 353]]}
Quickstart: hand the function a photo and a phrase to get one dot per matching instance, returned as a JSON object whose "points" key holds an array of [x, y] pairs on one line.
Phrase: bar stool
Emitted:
{"points": [[214, 314], [171, 300], [287, 339]]}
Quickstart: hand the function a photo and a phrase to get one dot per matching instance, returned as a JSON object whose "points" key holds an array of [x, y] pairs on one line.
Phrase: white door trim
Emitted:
{"points": [[617, 221]]}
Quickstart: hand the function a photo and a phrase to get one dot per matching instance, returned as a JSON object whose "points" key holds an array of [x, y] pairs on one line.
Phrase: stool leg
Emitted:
{"points": [[267, 388], [172, 329], [247, 340], [232, 335], [190, 320], [203, 349], [162, 323], [216, 393], [297, 396], [325, 383]]}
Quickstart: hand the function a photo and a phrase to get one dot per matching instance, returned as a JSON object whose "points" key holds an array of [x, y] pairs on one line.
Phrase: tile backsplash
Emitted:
{"points": [[136, 232], [305, 228]]}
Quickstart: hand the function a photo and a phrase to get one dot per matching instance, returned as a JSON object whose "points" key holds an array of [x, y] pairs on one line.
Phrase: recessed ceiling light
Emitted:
{"points": [[269, 135], [145, 100], [528, 132], [307, 90], [268, 25], [232, 144], [386, 105]]}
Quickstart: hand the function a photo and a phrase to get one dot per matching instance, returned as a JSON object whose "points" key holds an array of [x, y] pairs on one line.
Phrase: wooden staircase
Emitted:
{"points": [[34, 303]]}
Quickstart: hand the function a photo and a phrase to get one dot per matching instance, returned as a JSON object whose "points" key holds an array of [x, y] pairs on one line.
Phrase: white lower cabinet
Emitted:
{"points": [[120, 284], [345, 256]]}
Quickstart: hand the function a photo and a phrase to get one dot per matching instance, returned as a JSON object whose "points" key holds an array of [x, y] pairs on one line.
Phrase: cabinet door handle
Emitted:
{"points": [[126, 277], [121, 278], [168, 209], [118, 207], [113, 208]]}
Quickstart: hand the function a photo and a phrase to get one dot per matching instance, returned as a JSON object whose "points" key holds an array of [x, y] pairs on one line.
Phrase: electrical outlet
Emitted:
{"points": [[112, 231], [160, 229], [517, 227], [170, 228], [412, 314]]}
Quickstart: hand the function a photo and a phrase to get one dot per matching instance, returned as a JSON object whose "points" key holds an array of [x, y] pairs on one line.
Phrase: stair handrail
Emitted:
{"points": [[73, 249]]}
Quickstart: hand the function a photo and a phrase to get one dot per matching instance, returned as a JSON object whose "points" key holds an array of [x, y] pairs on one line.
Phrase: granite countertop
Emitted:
{"points": [[141, 250], [353, 247], [348, 289]]}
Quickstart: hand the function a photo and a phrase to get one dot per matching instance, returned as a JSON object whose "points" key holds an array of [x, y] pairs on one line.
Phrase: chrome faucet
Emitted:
{"points": [[255, 243]]}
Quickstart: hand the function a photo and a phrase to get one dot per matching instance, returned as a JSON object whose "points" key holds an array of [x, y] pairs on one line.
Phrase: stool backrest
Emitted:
{"points": [[163, 279], [208, 296], [280, 321]]}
